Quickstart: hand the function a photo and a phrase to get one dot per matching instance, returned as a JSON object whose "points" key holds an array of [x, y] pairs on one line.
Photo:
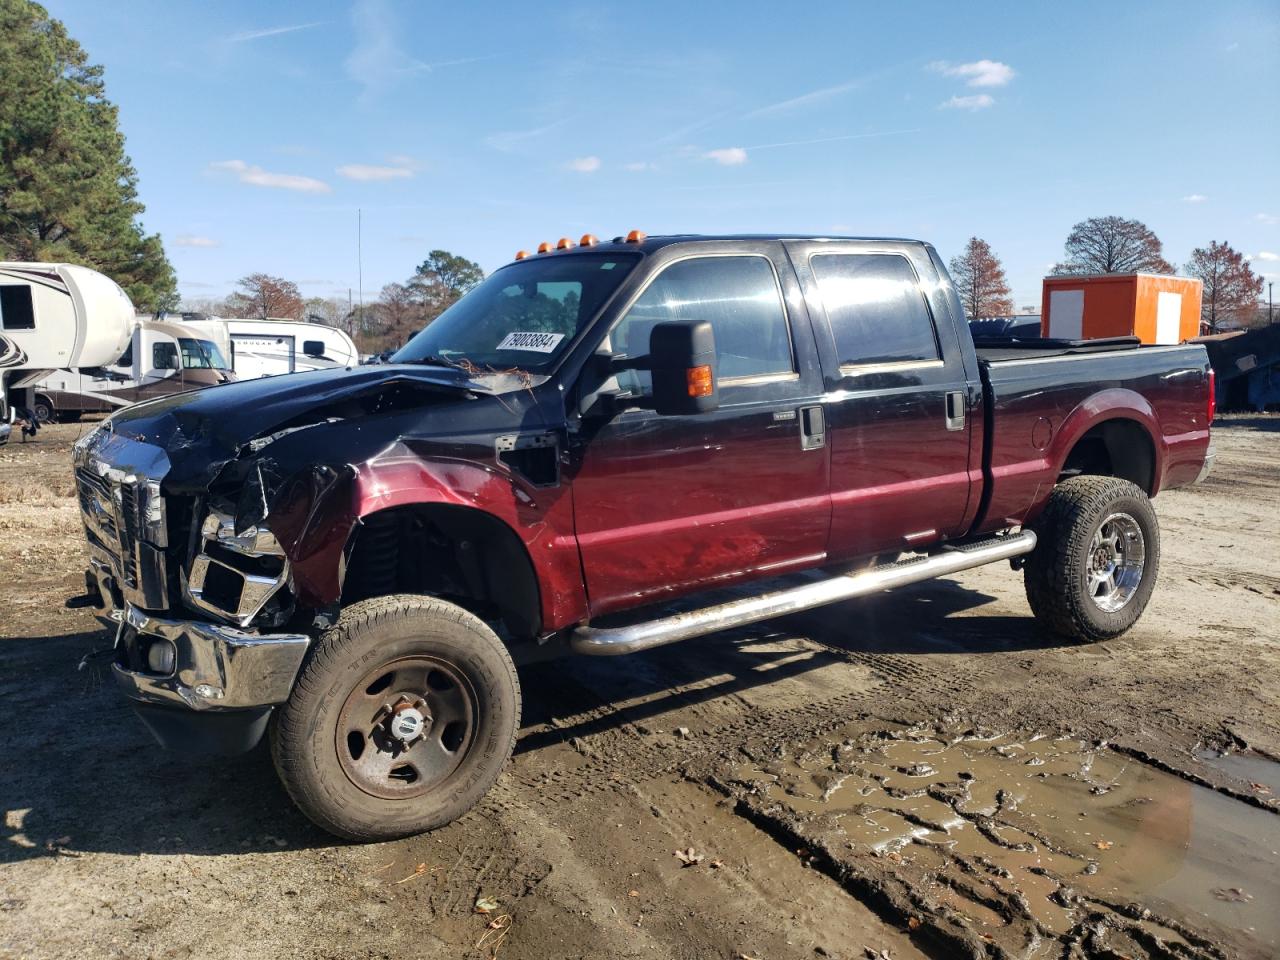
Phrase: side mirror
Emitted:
{"points": [[682, 360]]}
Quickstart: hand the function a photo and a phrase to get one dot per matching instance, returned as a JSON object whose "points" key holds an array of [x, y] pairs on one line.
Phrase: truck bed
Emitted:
{"points": [[1043, 397]]}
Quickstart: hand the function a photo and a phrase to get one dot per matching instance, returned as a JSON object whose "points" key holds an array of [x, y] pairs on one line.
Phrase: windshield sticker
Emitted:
{"points": [[537, 342]]}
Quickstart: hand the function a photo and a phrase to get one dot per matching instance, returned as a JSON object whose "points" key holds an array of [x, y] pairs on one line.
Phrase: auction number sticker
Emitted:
{"points": [[537, 342]]}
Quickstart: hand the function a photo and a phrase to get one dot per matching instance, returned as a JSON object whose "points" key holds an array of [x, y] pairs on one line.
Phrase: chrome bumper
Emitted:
{"points": [[1209, 456], [216, 668]]}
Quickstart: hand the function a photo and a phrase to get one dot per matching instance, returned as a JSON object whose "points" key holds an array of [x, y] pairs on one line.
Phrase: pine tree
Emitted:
{"points": [[68, 192]]}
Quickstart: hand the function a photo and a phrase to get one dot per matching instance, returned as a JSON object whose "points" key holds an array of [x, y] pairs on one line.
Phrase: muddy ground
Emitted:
{"points": [[922, 774]]}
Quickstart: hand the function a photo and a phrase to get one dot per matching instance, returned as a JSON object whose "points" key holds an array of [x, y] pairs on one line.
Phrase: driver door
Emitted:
{"points": [[666, 505]]}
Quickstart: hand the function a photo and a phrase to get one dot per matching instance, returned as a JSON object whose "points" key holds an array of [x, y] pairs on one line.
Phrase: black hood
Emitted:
{"points": [[203, 430]]}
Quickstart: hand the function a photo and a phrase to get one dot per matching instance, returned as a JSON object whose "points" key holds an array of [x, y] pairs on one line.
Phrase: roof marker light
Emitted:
{"points": [[544, 247], [521, 254], [564, 243], [588, 240], [636, 236]]}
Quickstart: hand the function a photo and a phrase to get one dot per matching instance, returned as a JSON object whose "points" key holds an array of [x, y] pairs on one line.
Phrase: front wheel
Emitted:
{"points": [[401, 720], [1095, 565]]}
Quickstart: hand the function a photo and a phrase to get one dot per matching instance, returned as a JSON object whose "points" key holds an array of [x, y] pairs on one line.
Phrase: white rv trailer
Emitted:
{"points": [[163, 357], [55, 315], [264, 348]]}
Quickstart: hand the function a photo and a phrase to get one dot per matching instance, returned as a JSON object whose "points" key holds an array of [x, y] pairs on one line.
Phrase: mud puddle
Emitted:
{"points": [[1261, 773], [1027, 841]]}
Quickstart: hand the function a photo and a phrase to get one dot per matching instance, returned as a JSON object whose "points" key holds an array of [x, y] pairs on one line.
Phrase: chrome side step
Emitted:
{"points": [[614, 641]]}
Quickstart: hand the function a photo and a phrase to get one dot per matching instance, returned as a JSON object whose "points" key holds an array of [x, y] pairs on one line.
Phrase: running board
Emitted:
{"points": [[614, 641]]}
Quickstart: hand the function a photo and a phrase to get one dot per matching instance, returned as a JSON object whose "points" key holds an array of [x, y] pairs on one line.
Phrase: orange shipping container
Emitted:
{"points": [[1154, 308]]}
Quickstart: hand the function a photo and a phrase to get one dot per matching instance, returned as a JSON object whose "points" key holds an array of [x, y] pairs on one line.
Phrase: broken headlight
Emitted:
{"points": [[233, 576]]}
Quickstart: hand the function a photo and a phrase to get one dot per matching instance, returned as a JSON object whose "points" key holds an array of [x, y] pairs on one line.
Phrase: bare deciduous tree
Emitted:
{"points": [[1231, 288], [980, 281], [1113, 245], [261, 296]]}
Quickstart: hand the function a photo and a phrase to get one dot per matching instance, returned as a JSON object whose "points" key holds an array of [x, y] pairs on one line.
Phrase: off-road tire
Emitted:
{"points": [[1056, 571], [380, 630]]}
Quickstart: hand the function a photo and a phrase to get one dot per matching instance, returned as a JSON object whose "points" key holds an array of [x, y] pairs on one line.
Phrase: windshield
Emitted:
{"points": [[524, 316], [201, 355]]}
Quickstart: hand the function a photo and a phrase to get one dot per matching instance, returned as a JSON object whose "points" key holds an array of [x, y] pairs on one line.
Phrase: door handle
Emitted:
{"points": [[813, 428], [955, 410]]}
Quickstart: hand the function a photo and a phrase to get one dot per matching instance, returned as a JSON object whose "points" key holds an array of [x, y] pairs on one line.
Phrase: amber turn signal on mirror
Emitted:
{"points": [[701, 382]]}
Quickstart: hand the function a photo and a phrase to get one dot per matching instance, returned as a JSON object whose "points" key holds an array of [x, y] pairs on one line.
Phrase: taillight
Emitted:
{"points": [[1213, 395]]}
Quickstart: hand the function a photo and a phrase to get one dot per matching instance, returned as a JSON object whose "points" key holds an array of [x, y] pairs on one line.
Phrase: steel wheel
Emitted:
{"points": [[1117, 558], [406, 727]]}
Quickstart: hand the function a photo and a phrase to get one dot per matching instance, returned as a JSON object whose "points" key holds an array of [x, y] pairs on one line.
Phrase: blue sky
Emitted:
{"points": [[259, 129]]}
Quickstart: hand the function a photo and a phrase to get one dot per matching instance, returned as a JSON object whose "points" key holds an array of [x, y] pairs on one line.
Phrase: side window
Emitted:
{"points": [[876, 308], [737, 295], [164, 355], [126, 358], [16, 310]]}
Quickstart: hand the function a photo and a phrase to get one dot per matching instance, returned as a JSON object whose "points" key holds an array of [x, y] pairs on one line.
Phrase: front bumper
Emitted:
{"points": [[215, 668], [221, 686]]}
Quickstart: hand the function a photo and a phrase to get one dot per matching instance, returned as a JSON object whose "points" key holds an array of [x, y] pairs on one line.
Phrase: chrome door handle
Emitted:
{"points": [[955, 410]]}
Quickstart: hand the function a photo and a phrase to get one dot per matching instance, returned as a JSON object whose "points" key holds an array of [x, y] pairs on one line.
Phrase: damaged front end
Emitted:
{"points": [[216, 533]]}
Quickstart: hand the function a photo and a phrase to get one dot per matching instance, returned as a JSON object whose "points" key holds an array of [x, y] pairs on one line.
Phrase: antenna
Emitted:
{"points": [[360, 265]]}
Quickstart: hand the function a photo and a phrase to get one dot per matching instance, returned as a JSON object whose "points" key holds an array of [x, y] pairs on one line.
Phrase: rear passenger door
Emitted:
{"points": [[902, 467]]}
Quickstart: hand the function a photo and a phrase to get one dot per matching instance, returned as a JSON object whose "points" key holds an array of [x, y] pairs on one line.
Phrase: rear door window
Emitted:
{"points": [[876, 308]]}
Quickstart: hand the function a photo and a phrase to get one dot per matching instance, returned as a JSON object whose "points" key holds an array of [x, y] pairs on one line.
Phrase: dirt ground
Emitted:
{"points": [[922, 774]]}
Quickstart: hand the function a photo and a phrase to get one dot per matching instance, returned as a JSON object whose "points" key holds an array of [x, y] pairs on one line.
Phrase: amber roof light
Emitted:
{"points": [[521, 254], [588, 240], [564, 243], [544, 247], [636, 236]]}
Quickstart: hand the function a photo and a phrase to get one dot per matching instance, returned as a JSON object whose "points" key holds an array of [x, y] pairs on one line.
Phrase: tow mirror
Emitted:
{"points": [[682, 359]]}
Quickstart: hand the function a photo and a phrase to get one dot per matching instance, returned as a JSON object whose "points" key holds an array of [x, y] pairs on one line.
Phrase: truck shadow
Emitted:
{"points": [[80, 773]]}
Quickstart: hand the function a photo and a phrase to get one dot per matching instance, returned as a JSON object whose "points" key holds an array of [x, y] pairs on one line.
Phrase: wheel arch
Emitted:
{"points": [[459, 553], [1114, 433]]}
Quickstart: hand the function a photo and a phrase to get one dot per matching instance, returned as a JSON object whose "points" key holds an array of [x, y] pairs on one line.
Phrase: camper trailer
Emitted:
{"points": [[264, 348], [54, 315], [163, 357]]}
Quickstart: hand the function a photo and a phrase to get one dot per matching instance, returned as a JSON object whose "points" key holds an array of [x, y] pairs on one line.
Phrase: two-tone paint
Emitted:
{"points": [[641, 507]]}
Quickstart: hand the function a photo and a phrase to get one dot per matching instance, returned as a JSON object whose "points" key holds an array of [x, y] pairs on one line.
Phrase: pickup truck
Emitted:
{"points": [[350, 562]]}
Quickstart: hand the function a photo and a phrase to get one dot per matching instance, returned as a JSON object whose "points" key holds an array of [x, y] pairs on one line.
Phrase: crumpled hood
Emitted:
{"points": [[203, 430]]}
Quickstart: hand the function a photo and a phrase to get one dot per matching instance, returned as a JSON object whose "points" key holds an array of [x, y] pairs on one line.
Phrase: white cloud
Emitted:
{"points": [[401, 168], [256, 176], [1194, 198], [509, 141], [1270, 219], [814, 96], [639, 166], [1265, 255], [585, 164], [979, 73], [192, 240], [248, 35], [978, 101], [377, 62], [727, 156]]}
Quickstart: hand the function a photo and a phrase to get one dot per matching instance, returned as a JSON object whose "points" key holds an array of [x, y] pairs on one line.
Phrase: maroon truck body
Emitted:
{"points": [[539, 486]]}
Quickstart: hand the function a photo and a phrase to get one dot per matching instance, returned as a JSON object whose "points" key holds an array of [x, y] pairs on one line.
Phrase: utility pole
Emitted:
{"points": [[1269, 319]]}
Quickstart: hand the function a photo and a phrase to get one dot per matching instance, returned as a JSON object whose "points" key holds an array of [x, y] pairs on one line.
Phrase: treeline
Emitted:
{"points": [[1232, 290], [400, 311]]}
